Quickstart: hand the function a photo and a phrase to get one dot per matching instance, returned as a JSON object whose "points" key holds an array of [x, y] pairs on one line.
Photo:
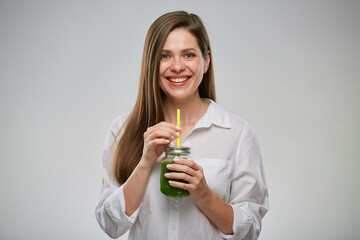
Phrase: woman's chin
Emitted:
{"points": [[181, 96]]}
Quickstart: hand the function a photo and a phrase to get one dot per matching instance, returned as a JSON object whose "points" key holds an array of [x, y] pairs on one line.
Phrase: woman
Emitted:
{"points": [[225, 178]]}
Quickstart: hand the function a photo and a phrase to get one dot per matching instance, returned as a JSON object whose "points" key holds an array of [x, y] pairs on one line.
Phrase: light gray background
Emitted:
{"points": [[68, 68]]}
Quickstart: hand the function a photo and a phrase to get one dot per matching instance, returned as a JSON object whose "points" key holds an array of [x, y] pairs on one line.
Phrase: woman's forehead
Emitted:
{"points": [[180, 38]]}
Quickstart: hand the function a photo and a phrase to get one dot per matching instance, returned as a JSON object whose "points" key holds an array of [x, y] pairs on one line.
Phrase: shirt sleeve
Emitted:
{"points": [[248, 193], [110, 211]]}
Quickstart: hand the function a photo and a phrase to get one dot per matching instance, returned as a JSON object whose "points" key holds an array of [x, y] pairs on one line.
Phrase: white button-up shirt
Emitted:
{"points": [[226, 147]]}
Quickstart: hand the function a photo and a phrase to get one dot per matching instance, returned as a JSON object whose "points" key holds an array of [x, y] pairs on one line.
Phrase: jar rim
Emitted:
{"points": [[178, 149]]}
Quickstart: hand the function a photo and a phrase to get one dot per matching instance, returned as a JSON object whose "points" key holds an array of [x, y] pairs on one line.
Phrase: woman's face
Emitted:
{"points": [[182, 65]]}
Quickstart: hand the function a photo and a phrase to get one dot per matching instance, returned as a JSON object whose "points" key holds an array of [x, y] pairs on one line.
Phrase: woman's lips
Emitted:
{"points": [[178, 81]]}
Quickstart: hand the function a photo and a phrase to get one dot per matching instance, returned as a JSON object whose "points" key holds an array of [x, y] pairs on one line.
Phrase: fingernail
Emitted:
{"points": [[176, 159], [178, 127], [168, 166], [167, 174], [170, 182], [177, 134]]}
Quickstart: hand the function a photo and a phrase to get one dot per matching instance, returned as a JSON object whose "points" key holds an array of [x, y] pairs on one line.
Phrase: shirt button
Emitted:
{"points": [[173, 227]]}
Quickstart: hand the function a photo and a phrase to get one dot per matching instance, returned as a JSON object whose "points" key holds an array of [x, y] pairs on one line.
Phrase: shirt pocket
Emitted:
{"points": [[216, 172]]}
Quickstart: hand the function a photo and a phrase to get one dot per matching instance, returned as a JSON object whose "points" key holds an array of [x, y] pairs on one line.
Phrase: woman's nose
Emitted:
{"points": [[177, 64]]}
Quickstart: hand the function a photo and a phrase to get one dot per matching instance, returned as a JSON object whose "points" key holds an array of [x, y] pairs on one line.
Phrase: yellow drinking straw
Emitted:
{"points": [[178, 123]]}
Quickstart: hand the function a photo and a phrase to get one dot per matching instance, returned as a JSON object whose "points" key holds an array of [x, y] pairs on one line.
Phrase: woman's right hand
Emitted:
{"points": [[156, 139]]}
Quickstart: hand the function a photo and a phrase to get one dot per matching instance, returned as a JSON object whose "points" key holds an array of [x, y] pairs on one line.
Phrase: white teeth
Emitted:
{"points": [[177, 80]]}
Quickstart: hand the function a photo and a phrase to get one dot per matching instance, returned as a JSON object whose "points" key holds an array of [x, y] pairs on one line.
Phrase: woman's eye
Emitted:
{"points": [[189, 55], [164, 56]]}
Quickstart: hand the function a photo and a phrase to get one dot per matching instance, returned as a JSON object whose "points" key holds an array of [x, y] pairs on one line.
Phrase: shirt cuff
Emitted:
{"points": [[115, 207], [241, 224]]}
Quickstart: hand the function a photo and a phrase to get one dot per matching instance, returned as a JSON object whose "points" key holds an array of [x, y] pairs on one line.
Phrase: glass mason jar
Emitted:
{"points": [[170, 154]]}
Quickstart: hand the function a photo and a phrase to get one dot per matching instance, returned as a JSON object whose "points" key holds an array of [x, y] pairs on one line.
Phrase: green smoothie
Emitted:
{"points": [[165, 187]]}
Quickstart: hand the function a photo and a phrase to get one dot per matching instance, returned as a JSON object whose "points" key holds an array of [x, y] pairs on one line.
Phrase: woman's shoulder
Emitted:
{"points": [[237, 124], [118, 122], [227, 116]]}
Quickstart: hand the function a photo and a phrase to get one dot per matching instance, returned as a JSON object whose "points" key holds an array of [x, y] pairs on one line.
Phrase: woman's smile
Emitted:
{"points": [[178, 81]]}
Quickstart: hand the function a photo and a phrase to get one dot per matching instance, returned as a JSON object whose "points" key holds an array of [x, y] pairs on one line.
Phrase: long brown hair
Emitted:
{"points": [[148, 109]]}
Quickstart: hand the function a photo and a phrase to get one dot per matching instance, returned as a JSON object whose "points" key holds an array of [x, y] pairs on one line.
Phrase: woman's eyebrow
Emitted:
{"points": [[183, 50], [188, 49]]}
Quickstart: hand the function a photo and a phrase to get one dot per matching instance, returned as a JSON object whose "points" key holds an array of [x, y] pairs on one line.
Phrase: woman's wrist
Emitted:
{"points": [[206, 199], [145, 164]]}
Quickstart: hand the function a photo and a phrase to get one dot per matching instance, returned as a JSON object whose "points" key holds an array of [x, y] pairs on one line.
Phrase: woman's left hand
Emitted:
{"points": [[192, 173], [215, 208]]}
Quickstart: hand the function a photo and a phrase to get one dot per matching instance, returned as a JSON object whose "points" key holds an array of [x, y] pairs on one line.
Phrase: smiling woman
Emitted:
{"points": [[225, 178]]}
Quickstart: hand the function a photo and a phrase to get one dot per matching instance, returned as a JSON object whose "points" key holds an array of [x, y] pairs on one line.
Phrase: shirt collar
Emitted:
{"points": [[214, 115]]}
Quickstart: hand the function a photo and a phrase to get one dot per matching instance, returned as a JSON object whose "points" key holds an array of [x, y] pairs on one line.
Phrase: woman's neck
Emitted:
{"points": [[191, 110]]}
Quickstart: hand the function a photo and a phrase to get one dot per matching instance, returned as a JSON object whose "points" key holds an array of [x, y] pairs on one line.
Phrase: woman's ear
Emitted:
{"points": [[207, 61]]}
